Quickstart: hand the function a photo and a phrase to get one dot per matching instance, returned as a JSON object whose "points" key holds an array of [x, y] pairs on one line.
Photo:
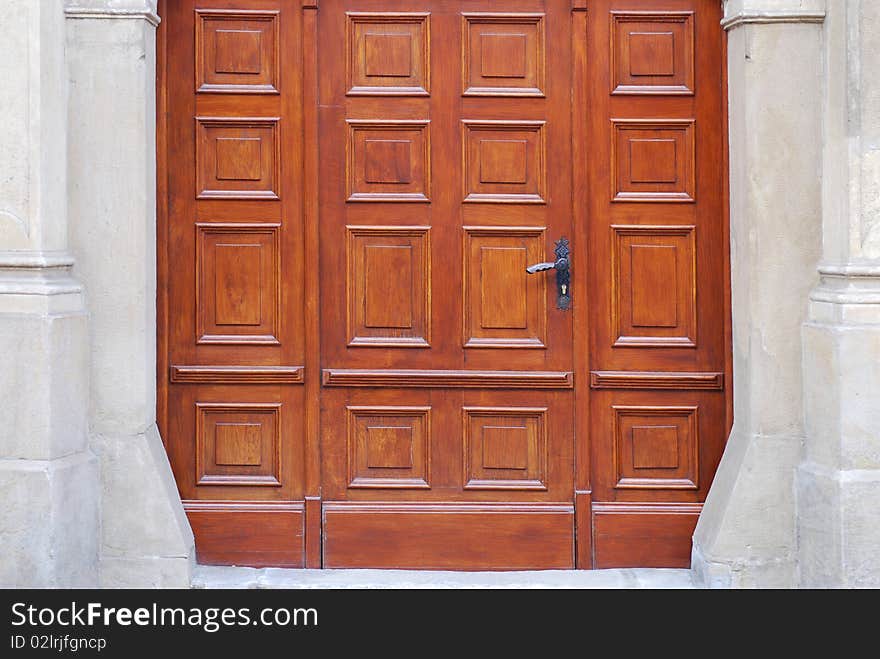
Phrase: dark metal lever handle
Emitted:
{"points": [[540, 267], [562, 265]]}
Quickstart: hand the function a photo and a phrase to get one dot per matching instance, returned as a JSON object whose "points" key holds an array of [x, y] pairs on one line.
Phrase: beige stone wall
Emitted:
{"points": [[111, 49], [795, 499], [746, 535], [838, 480], [49, 518]]}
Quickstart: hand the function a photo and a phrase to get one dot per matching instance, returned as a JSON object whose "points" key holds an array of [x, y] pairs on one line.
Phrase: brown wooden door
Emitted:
{"points": [[355, 369], [447, 413]]}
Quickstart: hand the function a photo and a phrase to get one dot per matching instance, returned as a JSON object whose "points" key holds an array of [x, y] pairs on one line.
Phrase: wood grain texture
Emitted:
{"points": [[503, 54], [504, 162], [653, 160], [198, 374], [238, 157], [389, 447], [656, 380], [231, 268], [505, 448], [516, 135], [388, 286], [388, 53], [369, 174], [313, 532], [238, 444], [238, 292], [583, 524], [237, 51], [448, 537], [652, 53], [504, 308], [643, 535], [396, 378], [224, 533], [654, 270]]}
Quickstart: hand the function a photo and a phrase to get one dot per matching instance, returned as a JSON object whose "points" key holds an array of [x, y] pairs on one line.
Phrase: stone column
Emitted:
{"points": [[746, 535], [145, 537], [838, 481], [48, 476]]}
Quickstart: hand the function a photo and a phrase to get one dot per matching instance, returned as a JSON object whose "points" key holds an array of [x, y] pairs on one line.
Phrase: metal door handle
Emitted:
{"points": [[562, 265]]}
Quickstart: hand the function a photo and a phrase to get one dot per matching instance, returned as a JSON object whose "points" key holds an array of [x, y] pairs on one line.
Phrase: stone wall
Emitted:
{"points": [[795, 500]]}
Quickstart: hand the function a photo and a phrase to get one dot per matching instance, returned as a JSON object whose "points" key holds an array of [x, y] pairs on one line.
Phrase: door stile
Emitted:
{"points": [[581, 287], [311, 283]]}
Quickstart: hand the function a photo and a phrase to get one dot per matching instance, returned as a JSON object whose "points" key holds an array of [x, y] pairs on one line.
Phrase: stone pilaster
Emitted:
{"points": [[145, 539], [838, 480], [746, 535], [49, 520]]}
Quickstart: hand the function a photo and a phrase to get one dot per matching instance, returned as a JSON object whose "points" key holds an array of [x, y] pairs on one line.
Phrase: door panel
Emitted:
{"points": [[231, 271], [656, 252], [355, 369], [452, 131]]}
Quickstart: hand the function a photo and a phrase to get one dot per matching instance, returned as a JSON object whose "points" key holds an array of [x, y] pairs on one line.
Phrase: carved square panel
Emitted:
{"points": [[388, 286], [388, 54], [238, 444], [388, 161], [654, 299], [237, 51], [503, 54], [505, 448], [389, 447], [653, 160], [504, 162], [237, 158], [656, 448], [652, 53], [238, 292], [503, 306]]}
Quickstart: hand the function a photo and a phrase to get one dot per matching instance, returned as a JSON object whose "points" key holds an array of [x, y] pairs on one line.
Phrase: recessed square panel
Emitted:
{"points": [[238, 293], [653, 161], [237, 158], [656, 448], [388, 54], [389, 447], [388, 161], [503, 54], [503, 306], [652, 53], [505, 448], [388, 286], [238, 444], [504, 162], [654, 299], [237, 51]]}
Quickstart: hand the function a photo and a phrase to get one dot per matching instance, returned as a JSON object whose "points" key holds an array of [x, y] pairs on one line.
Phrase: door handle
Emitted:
{"points": [[562, 265]]}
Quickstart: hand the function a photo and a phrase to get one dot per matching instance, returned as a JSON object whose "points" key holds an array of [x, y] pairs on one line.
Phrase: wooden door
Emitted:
{"points": [[447, 413], [655, 249], [232, 338], [355, 369]]}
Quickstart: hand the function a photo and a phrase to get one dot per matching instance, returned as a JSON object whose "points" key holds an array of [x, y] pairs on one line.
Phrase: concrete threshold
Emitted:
{"points": [[208, 576]]}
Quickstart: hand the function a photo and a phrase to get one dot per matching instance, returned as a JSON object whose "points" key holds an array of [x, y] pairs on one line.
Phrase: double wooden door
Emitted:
{"points": [[356, 368]]}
